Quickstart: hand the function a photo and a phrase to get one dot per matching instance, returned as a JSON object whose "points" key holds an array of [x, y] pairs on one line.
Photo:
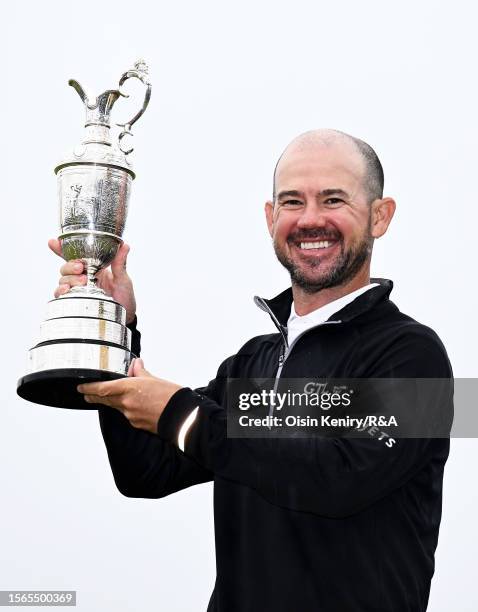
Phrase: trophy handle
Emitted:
{"points": [[140, 71]]}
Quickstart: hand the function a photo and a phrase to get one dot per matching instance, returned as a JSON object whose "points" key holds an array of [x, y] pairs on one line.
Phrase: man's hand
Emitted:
{"points": [[141, 397], [114, 281]]}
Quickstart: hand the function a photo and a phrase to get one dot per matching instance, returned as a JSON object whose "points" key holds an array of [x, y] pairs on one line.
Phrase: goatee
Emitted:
{"points": [[346, 267]]}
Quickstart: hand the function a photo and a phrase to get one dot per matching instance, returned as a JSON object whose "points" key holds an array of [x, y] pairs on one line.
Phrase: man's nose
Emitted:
{"points": [[312, 216]]}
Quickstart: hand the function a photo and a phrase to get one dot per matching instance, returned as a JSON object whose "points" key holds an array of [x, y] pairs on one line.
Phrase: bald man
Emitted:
{"points": [[303, 524]]}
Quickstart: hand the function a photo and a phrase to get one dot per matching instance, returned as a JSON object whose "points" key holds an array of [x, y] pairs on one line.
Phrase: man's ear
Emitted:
{"points": [[269, 210], [382, 213]]}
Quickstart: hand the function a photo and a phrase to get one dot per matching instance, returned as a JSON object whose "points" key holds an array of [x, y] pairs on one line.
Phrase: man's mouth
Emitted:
{"points": [[316, 244]]}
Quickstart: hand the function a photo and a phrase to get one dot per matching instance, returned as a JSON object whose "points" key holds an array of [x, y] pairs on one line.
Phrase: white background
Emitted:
{"points": [[233, 83]]}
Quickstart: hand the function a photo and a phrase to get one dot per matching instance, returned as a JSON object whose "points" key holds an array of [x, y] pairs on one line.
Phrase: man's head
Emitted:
{"points": [[327, 209]]}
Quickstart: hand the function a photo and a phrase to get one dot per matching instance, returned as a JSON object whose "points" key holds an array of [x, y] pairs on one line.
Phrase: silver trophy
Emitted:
{"points": [[84, 337]]}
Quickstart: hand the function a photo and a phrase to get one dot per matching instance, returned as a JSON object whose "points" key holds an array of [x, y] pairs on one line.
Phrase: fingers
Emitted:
{"points": [[60, 290], [72, 274], [104, 389], [136, 368], [75, 266], [97, 399], [118, 265], [67, 282], [139, 369], [73, 281], [131, 368], [65, 287], [55, 246], [111, 393]]}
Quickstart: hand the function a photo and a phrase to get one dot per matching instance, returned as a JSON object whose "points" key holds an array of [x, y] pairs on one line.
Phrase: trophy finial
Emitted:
{"points": [[141, 66]]}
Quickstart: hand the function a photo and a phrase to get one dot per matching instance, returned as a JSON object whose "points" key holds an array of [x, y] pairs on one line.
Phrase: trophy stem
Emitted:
{"points": [[91, 280], [91, 287]]}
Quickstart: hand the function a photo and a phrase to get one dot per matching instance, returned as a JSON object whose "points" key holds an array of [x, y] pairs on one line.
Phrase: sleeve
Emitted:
{"points": [[143, 464], [334, 477]]}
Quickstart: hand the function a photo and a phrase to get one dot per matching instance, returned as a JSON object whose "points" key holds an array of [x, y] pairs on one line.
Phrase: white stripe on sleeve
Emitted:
{"points": [[185, 428]]}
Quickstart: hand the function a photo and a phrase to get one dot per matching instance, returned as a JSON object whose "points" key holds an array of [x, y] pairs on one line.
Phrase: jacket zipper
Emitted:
{"points": [[285, 352], [285, 349]]}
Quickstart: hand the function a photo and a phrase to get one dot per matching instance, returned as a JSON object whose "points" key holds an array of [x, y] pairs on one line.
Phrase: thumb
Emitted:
{"points": [[118, 265], [55, 246], [139, 369]]}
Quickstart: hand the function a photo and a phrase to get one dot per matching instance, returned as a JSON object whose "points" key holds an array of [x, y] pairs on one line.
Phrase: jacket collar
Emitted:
{"points": [[279, 307]]}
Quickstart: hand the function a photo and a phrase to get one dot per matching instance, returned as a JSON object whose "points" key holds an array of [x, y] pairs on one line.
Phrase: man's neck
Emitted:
{"points": [[305, 303]]}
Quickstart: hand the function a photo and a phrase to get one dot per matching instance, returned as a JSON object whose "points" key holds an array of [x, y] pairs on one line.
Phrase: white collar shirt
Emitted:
{"points": [[297, 325]]}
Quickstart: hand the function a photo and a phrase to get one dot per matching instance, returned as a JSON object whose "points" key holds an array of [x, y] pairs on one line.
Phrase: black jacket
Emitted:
{"points": [[315, 524]]}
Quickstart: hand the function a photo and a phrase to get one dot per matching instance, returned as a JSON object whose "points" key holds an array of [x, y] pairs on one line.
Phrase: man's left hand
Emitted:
{"points": [[141, 397]]}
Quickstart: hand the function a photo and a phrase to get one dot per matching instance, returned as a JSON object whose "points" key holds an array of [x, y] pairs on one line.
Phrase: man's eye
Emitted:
{"points": [[292, 203], [333, 201]]}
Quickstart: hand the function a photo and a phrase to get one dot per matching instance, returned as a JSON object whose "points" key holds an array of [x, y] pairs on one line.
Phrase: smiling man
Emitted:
{"points": [[326, 211], [301, 524]]}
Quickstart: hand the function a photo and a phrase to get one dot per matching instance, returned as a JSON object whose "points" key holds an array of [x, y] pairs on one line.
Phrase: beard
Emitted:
{"points": [[344, 268]]}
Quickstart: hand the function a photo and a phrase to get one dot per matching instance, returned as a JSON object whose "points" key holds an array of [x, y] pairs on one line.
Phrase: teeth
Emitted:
{"points": [[315, 245]]}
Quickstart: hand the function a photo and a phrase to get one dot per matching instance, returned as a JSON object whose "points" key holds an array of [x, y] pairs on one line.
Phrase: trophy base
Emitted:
{"points": [[84, 339], [57, 388]]}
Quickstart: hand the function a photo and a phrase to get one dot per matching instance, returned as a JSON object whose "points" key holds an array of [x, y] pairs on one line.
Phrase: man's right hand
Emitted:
{"points": [[113, 280]]}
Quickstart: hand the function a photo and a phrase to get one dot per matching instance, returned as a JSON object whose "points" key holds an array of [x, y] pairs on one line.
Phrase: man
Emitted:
{"points": [[309, 525]]}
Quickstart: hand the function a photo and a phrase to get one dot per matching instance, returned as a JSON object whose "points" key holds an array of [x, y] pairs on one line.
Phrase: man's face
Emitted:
{"points": [[320, 220]]}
